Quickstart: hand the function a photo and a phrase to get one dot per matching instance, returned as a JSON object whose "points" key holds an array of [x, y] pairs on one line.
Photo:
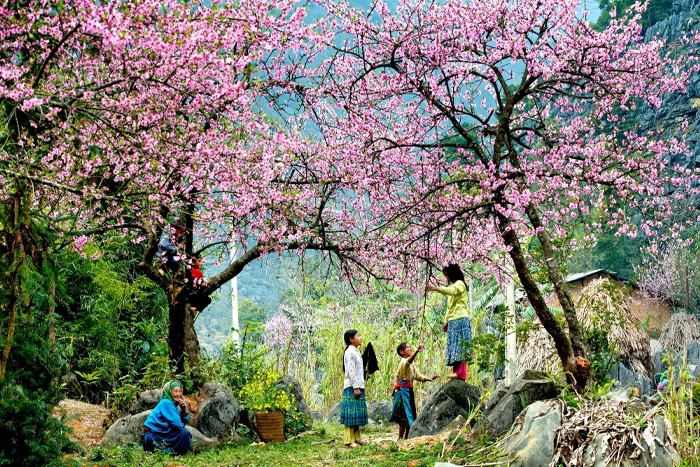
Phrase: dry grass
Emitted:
{"points": [[679, 331], [598, 299]]}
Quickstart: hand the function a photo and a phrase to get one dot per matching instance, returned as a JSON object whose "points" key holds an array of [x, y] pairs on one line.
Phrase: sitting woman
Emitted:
{"points": [[165, 428]]}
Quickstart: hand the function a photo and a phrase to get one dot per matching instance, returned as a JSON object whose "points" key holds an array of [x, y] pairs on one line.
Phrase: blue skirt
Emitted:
{"points": [[459, 334], [353, 412], [178, 442]]}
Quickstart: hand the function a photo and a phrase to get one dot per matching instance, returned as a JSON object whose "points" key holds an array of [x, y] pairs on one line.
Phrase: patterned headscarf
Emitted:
{"points": [[167, 391]]}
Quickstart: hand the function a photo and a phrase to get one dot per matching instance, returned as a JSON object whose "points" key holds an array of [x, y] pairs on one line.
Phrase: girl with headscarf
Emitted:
{"points": [[457, 324], [164, 429]]}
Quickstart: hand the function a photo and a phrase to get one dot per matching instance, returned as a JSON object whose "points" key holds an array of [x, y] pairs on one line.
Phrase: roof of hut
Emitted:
{"points": [[601, 304], [680, 330]]}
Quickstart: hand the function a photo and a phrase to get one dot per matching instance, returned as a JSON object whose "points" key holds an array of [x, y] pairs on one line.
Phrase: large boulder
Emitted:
{"points": [[379, 411], [622, 373], [530, 442], [334, 414], [292, 387], [146, 400], [218, 412], [126, 430], [453, 399], [507, 403]]}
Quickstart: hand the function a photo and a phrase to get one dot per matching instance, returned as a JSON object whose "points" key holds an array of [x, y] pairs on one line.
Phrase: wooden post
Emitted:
{"points": [[235, 336], [511, 344], [687, 291]]}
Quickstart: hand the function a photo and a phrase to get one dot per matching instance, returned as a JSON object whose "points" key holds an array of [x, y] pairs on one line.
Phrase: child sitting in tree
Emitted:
{"points": [[404, 412], [198, 301]]}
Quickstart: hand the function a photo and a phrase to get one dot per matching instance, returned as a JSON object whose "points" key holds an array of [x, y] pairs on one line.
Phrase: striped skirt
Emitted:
{"points": [[353, 412], [459, 334]]}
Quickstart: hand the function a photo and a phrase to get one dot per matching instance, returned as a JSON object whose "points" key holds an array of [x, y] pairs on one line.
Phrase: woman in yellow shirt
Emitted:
{"points": [[457, 324]]}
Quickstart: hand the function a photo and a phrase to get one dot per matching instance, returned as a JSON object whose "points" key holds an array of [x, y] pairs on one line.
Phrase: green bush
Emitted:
{"points": [[29, 435]]}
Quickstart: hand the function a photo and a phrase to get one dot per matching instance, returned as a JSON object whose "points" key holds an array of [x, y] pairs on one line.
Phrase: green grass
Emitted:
{"points": [[325, 449]]}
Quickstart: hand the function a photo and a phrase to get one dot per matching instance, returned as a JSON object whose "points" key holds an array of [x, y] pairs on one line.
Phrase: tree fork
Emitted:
{"points": [[576, 371]]}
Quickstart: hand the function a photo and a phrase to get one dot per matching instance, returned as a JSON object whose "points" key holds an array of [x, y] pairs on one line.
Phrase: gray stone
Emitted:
{"points": [[146, 400], [530, 442], [218, 413], [126, 430], [655, 346], [454, 398], [625, 393], [455, 427], [292, 387], [625, 376], [506, 404], [334, 414], [199, 441], [533, 375], [379, 411], [317, 416], [693, 353]]}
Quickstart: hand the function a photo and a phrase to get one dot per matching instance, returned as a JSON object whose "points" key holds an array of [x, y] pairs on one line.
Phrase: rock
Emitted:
{"points": [[379, 411], [199, 441], [146, 400], [293, 388], [657, 448], [334, 414], [530, 442], [218, 413], [655, 346], [454, 398], [455, 427], [317, 416], [126, 430], [660, 365], [625, 393], [693, 353], [533, 375], [506, 404], [622, 373]]}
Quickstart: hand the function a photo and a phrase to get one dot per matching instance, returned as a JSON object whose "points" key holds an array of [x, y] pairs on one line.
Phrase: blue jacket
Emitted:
{"points": [[166, 418]]}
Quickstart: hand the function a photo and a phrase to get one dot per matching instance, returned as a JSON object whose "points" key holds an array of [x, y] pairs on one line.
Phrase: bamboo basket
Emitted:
{"points": [[270, 426]]}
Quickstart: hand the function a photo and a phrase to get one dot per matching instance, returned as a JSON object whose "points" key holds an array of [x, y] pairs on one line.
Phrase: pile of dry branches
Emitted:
{"points": [[604, 430]]}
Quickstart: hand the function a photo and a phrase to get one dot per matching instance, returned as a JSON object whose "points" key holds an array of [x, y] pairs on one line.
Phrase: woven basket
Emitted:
{"points": [[270, 426]]}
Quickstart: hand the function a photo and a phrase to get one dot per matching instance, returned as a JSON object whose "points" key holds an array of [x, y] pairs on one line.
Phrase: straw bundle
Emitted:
{"points": [[538, 353], [680, 330], [599, 298]]}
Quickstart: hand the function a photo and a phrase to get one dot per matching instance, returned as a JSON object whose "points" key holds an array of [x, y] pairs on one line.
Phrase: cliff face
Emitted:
{"points": [[684, 18]]}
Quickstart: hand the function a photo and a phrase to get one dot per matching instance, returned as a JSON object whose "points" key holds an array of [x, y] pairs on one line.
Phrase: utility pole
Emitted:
{"points": [[511, 342], [687, 291], [234, 301]]}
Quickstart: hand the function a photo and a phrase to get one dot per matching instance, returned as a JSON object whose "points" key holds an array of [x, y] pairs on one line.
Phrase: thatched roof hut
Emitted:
{"points": [[601, 305], [679, 331]]}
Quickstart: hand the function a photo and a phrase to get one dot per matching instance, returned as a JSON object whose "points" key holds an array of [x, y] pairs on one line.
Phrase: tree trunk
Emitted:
{"points": [[176, 334], [576, 371], [14, 271], [560, 285], [191, 341], [52, 310]]}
